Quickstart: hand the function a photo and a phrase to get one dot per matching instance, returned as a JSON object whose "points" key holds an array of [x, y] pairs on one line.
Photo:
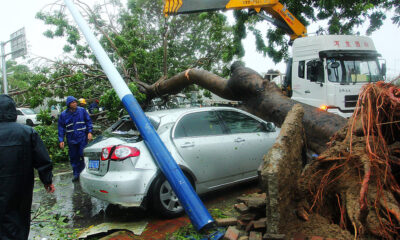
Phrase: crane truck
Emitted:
{"points": [[324, 71]]}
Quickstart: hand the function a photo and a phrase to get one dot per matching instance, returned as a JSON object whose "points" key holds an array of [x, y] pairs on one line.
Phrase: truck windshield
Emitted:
{"points": [[353, 70]]}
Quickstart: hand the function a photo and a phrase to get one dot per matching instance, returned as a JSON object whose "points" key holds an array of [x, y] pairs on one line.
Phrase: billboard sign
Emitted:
{"points": [[18, 43]]}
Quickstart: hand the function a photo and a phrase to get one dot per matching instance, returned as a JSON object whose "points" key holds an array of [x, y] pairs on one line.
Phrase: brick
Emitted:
{"points": [[258, 199], [260, 224], [256, 203], [271, 236], [255, 235], [243, 233], [316, 238], [247, 216], [249, 226], [299, 236], [223, 222], [231, 233], [241, 224], [241, 208]]}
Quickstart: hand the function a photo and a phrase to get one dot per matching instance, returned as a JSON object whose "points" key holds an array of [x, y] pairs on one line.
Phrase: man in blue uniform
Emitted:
{"points": [[76, 124]]}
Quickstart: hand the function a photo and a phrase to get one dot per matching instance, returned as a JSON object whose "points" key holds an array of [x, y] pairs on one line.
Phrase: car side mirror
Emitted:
{"points": [[269, 127]]}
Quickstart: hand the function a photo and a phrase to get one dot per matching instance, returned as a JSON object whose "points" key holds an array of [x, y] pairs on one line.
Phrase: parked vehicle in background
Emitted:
{"points": [[215, 147], [328, 71], [55, 111], [27, 116]]}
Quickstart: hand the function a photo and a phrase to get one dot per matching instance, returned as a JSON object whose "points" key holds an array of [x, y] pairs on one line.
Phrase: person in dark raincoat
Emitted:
{"points": [[21, 150], [76, 124]]}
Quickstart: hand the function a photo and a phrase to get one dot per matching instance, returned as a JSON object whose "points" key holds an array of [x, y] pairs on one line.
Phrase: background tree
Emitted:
{"points": [[147, 48], [143, 45]]}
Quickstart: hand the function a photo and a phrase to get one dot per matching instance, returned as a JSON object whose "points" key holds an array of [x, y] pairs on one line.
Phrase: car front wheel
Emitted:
{"points": [[29, 122], [165, 201]]}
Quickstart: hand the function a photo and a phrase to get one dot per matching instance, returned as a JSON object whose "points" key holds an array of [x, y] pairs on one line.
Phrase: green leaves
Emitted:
{"points": [[113, 104], [49, 136]]}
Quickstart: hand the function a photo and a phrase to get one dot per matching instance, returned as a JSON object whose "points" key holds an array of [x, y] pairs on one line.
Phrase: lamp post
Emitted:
{"points": [[190, 201]]}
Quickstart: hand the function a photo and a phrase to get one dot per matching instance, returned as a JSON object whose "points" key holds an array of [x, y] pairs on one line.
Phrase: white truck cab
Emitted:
{"points": [[328, 71]]}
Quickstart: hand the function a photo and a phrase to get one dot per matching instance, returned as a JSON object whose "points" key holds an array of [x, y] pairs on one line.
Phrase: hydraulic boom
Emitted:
{"points": [[281, 17]]}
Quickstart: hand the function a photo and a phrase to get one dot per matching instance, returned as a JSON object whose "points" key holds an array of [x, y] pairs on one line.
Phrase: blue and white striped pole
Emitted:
{"points": [[195, 209]]}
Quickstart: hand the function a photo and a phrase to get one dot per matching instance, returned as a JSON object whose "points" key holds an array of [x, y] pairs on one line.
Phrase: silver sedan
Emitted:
{"points": [[215, 147]]}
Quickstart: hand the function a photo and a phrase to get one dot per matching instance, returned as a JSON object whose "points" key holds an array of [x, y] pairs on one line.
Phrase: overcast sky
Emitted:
{"points": [[15, 14]]}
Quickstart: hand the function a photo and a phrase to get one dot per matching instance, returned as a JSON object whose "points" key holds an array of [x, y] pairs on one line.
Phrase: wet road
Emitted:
{"points": [[67, 207], [70, 210]]}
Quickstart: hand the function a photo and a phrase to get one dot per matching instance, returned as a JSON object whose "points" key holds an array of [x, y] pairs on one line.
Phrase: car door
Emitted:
{"points": [[251, 139], [201, 141]]}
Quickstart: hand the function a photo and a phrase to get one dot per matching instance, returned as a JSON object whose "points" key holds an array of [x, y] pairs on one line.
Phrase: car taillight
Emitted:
{"points": [[118, 153], [105, 153]]}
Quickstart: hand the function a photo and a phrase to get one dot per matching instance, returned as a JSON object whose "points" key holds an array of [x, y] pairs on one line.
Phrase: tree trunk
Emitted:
{"points": [[258, 96]]}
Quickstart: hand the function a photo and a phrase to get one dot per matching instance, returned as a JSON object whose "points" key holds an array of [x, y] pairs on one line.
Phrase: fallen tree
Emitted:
{"points": [[354, 183], [258, 96], [352, 187]]}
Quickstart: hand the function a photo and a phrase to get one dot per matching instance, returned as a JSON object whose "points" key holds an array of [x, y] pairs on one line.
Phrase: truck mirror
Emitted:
{"points": [[335, 65]]}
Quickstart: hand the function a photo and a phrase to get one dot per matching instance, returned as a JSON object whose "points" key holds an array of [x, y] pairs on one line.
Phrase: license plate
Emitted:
{"points": [[94, 164]]}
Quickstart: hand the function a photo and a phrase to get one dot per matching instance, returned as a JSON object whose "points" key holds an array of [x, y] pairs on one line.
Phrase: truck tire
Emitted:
{"points": [[165, 202]]}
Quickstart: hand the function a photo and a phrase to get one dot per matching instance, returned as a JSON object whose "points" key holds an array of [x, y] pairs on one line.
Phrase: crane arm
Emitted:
{"points": [[281, 17]]}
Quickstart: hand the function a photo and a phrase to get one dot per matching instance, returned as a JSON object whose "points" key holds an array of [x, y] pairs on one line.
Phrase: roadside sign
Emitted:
{"points": [[18, 43]]}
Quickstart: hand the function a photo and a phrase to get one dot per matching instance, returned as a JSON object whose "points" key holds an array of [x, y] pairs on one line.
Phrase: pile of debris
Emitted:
{"points": [[251, 224]]}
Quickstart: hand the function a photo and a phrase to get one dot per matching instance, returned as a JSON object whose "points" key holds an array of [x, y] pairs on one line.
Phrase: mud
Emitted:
{"points": [[316, 226]]}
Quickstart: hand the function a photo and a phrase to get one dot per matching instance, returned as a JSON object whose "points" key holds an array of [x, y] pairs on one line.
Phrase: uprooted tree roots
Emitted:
{"points": [[355, 182]]}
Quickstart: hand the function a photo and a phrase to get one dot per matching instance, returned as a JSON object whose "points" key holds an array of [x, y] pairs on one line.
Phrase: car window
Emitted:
{"points": [[19, 112], [28, 111], [127, 126], [198, 124], [237, 122]]}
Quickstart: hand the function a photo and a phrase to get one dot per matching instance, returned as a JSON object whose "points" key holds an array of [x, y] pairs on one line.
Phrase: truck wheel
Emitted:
{"points": [[165, 202], [29, 122]]}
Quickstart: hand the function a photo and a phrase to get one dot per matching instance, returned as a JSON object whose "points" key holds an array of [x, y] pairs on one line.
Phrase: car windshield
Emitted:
{"points": [[28, 111], [353, 70]]}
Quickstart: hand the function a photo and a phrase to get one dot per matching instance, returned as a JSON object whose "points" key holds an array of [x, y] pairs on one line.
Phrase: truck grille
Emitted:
{"points": [[350, 100]]}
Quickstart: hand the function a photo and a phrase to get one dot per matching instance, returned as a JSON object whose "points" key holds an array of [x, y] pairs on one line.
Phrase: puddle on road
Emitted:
{"points": [[68, 210]]}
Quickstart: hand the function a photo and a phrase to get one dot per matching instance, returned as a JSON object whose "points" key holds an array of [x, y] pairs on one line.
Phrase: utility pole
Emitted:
{"points": [[18, 49], [3, 66]]}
